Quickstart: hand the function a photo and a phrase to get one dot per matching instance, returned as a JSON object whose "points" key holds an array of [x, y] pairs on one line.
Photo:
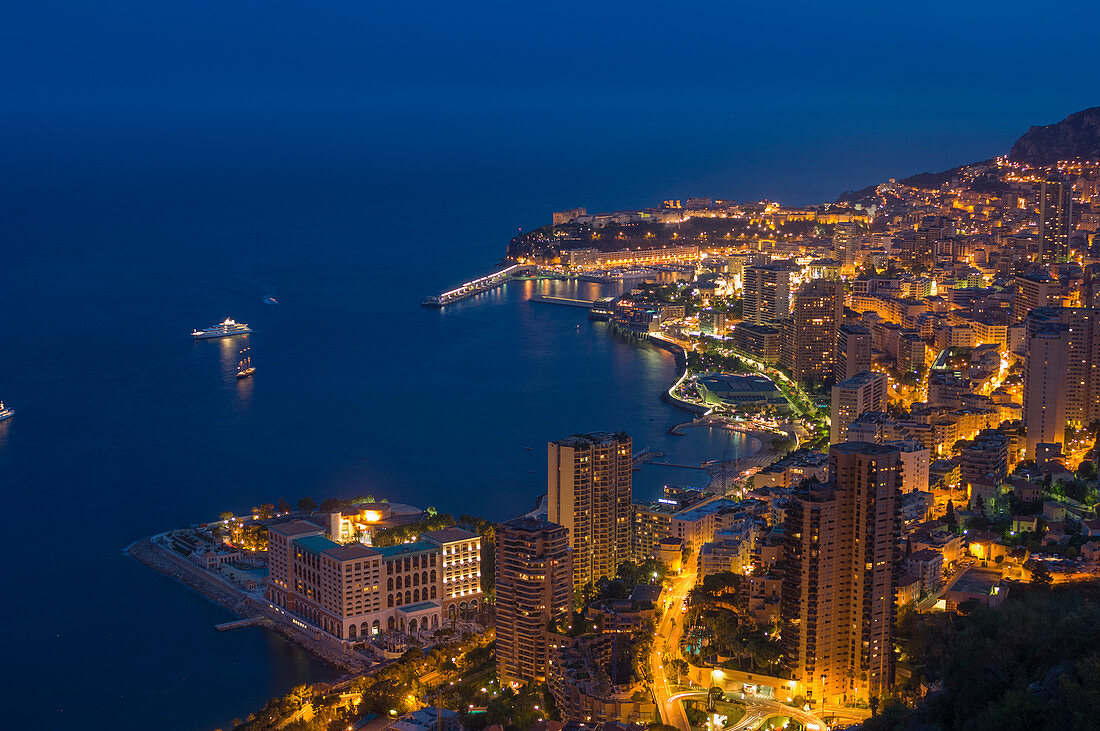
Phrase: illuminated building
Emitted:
{"points": [[1045, 386], [846, 239], [862, 393], [534, 592], [809, 349], [588, 491], [766, 293], [460, 553], [1032, 291], [1061, 372], [840, 573], [353, 592], [853, 351], [759, 341], [1055, 208]]}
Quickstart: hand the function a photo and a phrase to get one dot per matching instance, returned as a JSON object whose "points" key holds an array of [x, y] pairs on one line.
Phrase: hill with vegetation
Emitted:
{"points": [[1077, 137]]}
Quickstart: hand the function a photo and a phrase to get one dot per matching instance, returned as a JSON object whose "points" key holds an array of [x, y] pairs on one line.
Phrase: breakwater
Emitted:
{"points": [[240, 603]]}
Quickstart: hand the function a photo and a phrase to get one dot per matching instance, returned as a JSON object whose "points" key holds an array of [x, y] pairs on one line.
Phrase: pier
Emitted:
{"points": [[237, 624], [550, 300], [477, 286], [681, 466], [643, 456]]}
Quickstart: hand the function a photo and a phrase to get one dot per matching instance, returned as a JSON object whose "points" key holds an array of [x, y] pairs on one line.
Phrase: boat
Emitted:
{"points": [[224, 329], [244, 365], [5, 412], [434, 301], [270, 301]]}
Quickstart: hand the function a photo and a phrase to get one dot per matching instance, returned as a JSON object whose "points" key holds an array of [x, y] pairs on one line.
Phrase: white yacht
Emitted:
{"points": [[5, 412], [226, 328]]}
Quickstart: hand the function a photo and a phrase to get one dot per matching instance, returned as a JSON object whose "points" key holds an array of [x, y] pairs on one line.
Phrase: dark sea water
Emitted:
{"points": [[119, 237]]}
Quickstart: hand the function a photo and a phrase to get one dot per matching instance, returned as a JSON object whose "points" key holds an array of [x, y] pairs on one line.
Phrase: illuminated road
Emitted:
{"points": [[668, 636], [757, 710]]}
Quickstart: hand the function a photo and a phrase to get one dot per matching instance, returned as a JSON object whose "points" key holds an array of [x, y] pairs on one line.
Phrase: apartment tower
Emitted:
{"points": [[588, 486], [1061, 372], [840, 572], [809, 348], [853, 397], [1055, 208], [534, 590], [766, 291], [853, 351]]}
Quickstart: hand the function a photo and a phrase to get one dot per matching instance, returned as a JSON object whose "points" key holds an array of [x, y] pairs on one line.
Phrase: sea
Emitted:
{"points": [[122, 233]]}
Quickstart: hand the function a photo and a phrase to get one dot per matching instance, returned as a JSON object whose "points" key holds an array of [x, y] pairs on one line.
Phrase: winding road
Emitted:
{"points": [[666, 646], [667, 643]]}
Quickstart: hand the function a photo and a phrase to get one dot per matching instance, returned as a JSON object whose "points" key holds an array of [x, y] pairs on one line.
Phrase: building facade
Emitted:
{"points": [[766, 292], [460, 556], [840, 569], [809, 347], [354, 591], [1055, 216], [588, 487], [862, 393], [853, 351], [534, 590]]}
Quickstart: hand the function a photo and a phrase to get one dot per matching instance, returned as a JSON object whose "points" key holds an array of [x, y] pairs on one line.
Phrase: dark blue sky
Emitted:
{"points": [[900, 86]]}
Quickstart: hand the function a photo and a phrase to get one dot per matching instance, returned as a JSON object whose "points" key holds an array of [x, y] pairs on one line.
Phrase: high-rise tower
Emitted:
{"points": [[840, 573], [534, 588], [1055, 209], [588, 486]]}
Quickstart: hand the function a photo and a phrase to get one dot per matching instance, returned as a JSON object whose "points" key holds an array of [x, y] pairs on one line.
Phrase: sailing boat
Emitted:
{"points": [[244, 365]]}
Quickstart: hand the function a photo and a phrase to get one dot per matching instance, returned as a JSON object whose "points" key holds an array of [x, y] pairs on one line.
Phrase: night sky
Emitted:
{"points": [[903, 86]]}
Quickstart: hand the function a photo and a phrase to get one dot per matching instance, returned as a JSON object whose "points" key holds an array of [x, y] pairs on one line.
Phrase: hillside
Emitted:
{"points": [[1076, 136]]}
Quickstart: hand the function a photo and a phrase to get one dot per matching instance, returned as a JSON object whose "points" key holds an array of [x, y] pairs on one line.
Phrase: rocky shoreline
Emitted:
{"points": [[240, 603]]}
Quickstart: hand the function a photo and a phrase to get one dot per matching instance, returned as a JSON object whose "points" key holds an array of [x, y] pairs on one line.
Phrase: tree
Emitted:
{"points": [[1041, 577], [225, 515], [284, 506], [950, 515], [714, 695], [306, 505]]}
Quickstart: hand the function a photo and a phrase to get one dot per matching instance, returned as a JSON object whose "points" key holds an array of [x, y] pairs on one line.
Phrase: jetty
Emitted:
{"points": [[568, 302], [643, 456], [237, 624], [479, 285]]}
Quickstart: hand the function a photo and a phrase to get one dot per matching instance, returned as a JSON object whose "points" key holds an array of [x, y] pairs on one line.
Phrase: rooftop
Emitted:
{"points": [[351, 552], [449, 535], [419, 606], [296, 528], [316, 544], [406, 549], [977, 581]]}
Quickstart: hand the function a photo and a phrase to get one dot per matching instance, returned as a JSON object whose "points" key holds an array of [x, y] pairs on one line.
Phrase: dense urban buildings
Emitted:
{"points": [[840, 574], [589, 494], [534, 591]]}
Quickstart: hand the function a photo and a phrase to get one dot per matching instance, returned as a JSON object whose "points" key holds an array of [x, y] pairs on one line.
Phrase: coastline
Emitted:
{"points": [[242, 604]]}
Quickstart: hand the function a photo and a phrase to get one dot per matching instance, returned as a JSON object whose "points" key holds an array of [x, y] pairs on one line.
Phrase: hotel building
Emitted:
{"points": [[354, 591], [460, 552]]}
